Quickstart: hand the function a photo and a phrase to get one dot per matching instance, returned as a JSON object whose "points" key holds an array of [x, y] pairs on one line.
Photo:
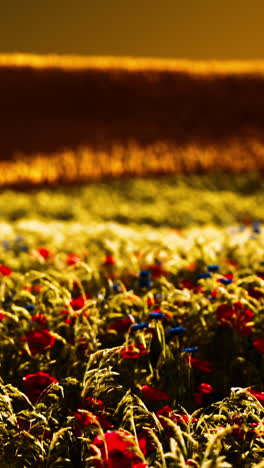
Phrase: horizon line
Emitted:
{"points": [[132, 63]]}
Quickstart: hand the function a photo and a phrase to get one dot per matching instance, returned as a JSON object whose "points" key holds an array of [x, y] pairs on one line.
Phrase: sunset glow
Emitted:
{"points": [[132, 63]]}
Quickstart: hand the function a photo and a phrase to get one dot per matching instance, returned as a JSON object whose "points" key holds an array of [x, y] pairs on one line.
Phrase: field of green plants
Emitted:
{"points": [[132, 324]]}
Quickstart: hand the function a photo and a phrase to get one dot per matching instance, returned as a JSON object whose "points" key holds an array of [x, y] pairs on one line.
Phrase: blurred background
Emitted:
{"points": [[139, 28], [96, 90]]}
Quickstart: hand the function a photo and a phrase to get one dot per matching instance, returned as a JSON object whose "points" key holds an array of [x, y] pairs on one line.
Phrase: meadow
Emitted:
{"points": [[132, 325]]}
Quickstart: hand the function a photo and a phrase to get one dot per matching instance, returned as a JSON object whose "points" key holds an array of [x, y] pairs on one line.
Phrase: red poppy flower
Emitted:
{"points": [[78, 303], [214, 293], [92, 404], [183, 418], [38, 340], [35, 384], [236, 419], [243, 323], [157, 270], [259, 344], [204, 388], [133, 351], [41, 319], [229, 276], [238, 433], [2, 316], [258, 395], [145, 442], [188, 284], [45, 253], [164, 411], [64, 312], [5, 270], [235, 316], [98, 408], [84, 419], [200, 364], [70, 320], [167, 412], [154, 394], [82, 344], [109, 260], [122, 325], [139, 465], [105, 422], [224, 313], [120, 446], [150, 302], [73, 259]]}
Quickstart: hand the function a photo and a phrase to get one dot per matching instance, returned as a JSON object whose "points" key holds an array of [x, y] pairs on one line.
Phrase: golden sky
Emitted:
{"points": [[194, 29]]}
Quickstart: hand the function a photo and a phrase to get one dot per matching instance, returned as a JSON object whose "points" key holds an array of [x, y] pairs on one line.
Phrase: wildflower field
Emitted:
{"points": [[132, 324]]}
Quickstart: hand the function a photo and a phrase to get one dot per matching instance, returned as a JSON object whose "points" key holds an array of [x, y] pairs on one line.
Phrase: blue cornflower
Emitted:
{"points": [[156, 315], [144, 279], [190, 350], [24, 248], [176, 331], [145, 283], [139, 326], [225, 281], [144, 274], [213, 268], [203, 276], [29, 307]]}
